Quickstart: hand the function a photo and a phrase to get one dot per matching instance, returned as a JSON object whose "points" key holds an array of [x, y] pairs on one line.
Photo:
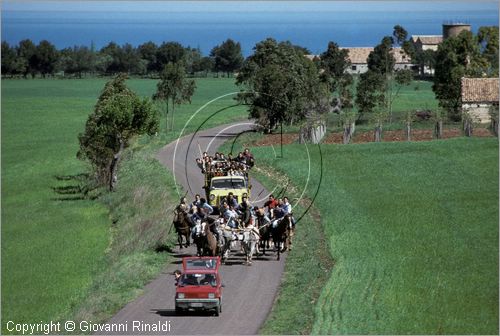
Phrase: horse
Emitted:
{"points": [[206, 243], [265, 237], [182, 226], [249, 243], [199, 237], [211, 247], [280, 233], [227, 236]]}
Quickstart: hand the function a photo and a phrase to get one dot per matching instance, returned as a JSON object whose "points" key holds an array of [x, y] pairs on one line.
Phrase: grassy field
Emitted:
{"points": [[56, 249], [413, 230]]}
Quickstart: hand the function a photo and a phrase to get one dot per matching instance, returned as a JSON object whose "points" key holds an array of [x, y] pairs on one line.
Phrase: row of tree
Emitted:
{"points": [[281, 85], [27, 59]]}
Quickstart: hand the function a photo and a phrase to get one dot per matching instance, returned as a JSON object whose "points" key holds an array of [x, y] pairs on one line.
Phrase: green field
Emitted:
{"points": [[413, 230], [55, 252]]}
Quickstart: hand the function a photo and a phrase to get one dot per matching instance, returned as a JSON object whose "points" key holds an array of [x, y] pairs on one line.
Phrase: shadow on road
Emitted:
{"points": [[172, 312]]}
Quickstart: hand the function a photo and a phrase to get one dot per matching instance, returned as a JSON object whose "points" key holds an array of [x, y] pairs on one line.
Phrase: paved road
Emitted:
{"points": [[250, 290]]}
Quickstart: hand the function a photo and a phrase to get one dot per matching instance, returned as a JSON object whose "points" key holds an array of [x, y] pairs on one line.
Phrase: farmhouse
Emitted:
{"points": [[359, 59], [478, 95], [426, 42]]}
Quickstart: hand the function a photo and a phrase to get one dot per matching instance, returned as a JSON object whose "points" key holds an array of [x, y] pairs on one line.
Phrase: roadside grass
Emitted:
{"points": [[140, 214], [60, 253], [413, 230], [308, 264]]}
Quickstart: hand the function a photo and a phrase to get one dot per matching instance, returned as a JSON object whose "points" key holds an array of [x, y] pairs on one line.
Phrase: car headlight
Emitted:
{"points": [[212, 197], [180, 296], [211, 295]]}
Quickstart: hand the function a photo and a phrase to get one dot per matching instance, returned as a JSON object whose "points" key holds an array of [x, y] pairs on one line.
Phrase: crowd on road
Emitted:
{"points": [[222, 165], [234, 214]]}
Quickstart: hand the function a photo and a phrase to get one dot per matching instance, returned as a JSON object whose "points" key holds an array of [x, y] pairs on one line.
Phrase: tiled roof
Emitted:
{"points": [[360, 55], [427, 39], [401, 56], [479, 90]]}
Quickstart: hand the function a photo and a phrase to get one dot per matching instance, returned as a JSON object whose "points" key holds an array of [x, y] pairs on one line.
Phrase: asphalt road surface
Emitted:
{"points": [[249, 290]]}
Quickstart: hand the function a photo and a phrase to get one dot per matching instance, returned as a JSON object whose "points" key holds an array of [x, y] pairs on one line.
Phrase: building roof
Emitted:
{"points": [[476, 90], [428, 39], [400, 56], [360, 55]]}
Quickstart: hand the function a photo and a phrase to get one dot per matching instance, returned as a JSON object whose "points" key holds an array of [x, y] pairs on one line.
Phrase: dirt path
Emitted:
{"points": [[250, 290]]}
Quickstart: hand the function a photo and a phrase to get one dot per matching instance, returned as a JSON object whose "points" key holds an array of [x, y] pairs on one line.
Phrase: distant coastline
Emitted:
{"points": [[204, 29]]}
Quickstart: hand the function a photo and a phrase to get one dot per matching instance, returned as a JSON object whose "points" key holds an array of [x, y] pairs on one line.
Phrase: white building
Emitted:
{"points": [[478, 95]]}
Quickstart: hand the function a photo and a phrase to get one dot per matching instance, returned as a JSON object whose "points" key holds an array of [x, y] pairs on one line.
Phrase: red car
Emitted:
{"points": [[200, 285]]}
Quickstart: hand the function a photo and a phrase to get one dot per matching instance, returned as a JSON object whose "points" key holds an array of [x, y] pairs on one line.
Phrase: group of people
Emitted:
{"points": [[234, 214], [222, 165]]}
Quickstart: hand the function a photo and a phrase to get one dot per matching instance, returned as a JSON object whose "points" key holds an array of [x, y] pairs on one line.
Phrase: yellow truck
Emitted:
{"points": [[218, 187]]}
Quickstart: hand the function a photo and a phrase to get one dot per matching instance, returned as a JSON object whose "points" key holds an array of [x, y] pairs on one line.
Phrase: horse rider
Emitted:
{"points": [[287, 209], [204, 205], [250, 161], [271, 204], [261, 218], [230, 200], [182, 205], [230, 216], [244, 210], [197, 200], [195, 215]]}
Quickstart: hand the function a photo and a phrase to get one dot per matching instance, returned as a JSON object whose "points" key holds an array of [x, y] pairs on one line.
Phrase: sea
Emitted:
{"points": [[204, 24]]}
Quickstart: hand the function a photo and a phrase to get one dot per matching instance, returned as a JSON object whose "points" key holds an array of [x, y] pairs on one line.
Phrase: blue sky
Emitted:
{"points": [[244, 6]]}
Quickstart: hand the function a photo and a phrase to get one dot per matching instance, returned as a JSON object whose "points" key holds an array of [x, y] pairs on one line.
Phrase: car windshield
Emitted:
{"points": [[200, 264], [229, 183], [198, 280]]}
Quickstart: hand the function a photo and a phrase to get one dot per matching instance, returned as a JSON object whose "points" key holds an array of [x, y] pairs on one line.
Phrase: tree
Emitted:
{"points": [[169, 52], [130, 60], [227, 56], [369, 94], [112, 51], [27, 51], [378, 118], [8, 59], [334, 62], [206, 64], [456, 57], [488, 39], [173, 89], [425, 58], [46, 58], [373, 86], [193, 59], [147, 52], [77, 60], [399, 35], [348, 121], [283, 83], [381, 60], [118, 116]]}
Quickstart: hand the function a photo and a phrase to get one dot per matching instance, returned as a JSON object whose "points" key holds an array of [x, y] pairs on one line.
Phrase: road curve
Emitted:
{"points": [[249, 290]]}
